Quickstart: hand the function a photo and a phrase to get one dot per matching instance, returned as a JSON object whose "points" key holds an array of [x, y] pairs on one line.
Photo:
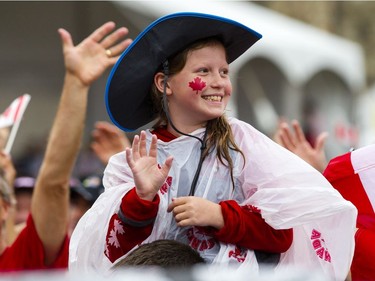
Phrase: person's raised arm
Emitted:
{"points": [[84, 64]]}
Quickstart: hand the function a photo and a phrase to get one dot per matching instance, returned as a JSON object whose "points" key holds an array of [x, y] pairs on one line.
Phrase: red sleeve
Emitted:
{"points": [[122, 236], [363, 266], [245, 227], [27, 252]]}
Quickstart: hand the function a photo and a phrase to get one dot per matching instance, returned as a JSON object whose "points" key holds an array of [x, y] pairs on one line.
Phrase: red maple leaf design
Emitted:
{"points": [[166, 185], [197, 84]]}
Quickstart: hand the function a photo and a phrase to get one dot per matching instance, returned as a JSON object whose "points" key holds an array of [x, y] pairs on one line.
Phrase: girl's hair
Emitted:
{"points": [[219, 132]]}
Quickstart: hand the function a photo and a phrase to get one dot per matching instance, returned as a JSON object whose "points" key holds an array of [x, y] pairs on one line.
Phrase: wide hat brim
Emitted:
{"points": [[127, 95]]}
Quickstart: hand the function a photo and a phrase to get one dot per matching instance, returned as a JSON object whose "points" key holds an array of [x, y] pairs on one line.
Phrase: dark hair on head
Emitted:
{"points": [[162, 253], [219, 132]]}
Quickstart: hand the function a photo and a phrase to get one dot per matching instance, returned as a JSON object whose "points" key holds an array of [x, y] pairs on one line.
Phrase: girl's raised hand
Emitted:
{"points": [[148, 175], [196, 211]]}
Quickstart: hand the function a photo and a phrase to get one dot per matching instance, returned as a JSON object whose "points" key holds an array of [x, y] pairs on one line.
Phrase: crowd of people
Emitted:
{"points": [[197, 185]]}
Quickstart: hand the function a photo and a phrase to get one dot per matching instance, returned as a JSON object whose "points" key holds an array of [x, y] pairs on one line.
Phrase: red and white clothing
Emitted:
{"points": [[286, 191], [244, 227], [353, 175], [27, 252]]}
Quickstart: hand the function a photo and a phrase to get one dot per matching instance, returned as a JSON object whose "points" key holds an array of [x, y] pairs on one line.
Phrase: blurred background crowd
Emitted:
{"points": [[314, 64]]}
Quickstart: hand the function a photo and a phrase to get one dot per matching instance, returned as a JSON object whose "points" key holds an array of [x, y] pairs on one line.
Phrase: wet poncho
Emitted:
{"points": [[288, 192]]}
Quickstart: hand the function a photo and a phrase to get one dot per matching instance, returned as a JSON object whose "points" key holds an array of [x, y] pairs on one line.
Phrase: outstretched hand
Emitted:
{"points": [[89, 59], [7, 167], [296, 142], [148, 175], [108, 140]]}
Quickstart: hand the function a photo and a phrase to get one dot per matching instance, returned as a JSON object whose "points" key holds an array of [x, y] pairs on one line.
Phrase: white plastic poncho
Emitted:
{"points": [[288, 191]]}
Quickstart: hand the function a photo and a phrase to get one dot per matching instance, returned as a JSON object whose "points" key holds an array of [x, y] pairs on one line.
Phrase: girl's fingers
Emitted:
{"points": [[142, 145], [135, 148], [129, 157], [175, 202], [167, 165], [153, 147]]}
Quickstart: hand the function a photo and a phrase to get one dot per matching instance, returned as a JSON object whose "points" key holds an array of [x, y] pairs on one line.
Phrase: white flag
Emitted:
{"points": [[14, 112], [12, 116]]}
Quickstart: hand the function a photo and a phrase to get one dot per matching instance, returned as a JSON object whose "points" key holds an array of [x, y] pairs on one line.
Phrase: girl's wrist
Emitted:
{"points": [[148, 196]]}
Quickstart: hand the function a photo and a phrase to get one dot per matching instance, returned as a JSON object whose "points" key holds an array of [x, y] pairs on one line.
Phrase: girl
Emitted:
{"points": [[199, 177]]}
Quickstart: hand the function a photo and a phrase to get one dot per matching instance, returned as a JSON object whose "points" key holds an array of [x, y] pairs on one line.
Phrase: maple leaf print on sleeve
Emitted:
{"points": [[112, 239], [118, 228], [197, 84]]}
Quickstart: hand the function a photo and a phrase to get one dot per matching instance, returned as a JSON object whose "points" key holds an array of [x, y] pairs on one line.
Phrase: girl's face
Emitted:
{"points": [[201, 90]]}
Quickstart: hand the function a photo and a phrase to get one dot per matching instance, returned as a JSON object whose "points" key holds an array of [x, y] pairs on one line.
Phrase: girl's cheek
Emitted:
{"points": [[197, 84]]}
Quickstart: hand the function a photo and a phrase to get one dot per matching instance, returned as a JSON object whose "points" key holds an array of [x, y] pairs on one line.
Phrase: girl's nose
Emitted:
{"points": [[218, 81]]}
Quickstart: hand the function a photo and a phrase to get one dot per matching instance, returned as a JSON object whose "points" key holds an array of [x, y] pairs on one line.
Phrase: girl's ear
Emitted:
{"points": [[159, 83]]}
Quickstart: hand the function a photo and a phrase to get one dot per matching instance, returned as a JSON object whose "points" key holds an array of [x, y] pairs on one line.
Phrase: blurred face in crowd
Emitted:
{"points": [[23, 206], [3, 212], [4, 205], [78, 206]]}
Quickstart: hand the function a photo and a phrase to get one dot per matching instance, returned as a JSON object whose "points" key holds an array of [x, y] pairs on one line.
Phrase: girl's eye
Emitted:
{"points": [[224, 72], [203, 70]]}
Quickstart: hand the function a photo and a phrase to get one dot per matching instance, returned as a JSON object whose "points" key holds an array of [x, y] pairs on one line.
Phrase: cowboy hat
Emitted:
{"points": [[127, 97]]}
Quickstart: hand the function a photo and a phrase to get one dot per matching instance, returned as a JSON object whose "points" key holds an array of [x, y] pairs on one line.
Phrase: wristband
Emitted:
{"points": [[134, 223]]}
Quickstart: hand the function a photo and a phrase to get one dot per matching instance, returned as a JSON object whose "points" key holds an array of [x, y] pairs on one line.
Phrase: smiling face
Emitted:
{"points": [[201, 90]]}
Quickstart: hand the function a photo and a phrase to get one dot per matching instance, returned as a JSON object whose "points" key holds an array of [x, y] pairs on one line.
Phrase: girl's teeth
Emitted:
{"points": [[213, 98]]}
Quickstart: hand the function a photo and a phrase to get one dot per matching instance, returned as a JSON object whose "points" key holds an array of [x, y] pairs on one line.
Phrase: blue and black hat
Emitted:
{"points": [[127, 97]]}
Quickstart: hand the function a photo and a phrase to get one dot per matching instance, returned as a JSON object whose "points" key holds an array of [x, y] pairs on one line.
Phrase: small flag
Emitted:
{"points": [[15, 111]]}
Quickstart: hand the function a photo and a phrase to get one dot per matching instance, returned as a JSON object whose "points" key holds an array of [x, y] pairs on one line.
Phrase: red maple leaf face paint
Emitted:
{"points": [[197, 84]]}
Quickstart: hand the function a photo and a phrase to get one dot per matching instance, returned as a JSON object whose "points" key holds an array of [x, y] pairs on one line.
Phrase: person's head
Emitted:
{"points": [[82, 195], [162, 253], [128, 99], [23, 190], [198, 84]]}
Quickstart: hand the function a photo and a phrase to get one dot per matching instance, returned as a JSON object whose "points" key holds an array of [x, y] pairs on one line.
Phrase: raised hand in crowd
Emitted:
{"points": [[108, 140], [7, 167], [294, 140], [8, 173], [48, 222], [4, 133]]}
